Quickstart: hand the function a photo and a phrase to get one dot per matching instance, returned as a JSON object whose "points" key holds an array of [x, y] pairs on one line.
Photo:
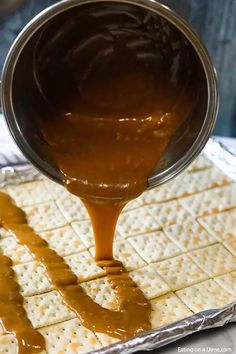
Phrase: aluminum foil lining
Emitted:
{"points": [[18, 174], [224, 159]]}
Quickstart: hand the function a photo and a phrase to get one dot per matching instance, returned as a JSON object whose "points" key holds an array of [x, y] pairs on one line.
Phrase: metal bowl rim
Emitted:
{"points": [[46, 15]]}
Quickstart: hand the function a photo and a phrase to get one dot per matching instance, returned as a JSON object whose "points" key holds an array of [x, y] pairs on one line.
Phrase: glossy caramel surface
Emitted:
{"points": [[117, 82]]}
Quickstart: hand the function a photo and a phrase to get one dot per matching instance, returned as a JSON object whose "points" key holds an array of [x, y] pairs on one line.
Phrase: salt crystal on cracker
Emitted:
{"points": [[189, 235], [69, 337], [168, 309], [46, 309], [84, 266], [151, 284], [32, 278], [205, 296], [214, 260], [29, 193], [228, 282], [180, 272], [154, 246], [45, 216], [64, 240], [136, 222]]}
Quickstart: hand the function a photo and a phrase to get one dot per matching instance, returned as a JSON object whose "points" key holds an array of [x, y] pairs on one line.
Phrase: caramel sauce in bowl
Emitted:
{"points": [[123, 89]]}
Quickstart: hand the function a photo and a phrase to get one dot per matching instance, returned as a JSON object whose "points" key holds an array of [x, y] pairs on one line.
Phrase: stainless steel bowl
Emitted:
{"points": [[21, 101]]}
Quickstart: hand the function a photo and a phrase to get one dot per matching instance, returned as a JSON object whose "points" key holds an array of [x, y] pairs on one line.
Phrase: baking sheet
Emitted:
{"points": [[157, 338]]}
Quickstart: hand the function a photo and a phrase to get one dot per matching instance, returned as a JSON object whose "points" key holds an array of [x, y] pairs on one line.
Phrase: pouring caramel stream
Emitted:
{"points": [[116, 83], [131, 317], [106, 136]]}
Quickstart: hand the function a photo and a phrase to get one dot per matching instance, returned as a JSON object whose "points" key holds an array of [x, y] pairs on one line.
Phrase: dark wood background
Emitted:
{"points": [[213, 20]]}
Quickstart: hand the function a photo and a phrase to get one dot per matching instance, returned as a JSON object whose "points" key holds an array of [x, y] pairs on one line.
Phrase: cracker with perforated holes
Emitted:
{"points": [[8, 345], [214, 260], [169, 213], [205, 296], [106, 340], [18, 254], [124, 252], [72, 208], [220, 224], [84, 230], [180, 272], [69, 337], [199, 181], [228, 282], [148, 280], [29, 193], [101, 291], [170, 270], [46, 309], [186, 184], [168, 309], [154, 246], [211, 201], [189, 235], [84, 266], [32, 278], [165, 192], [44, 216], [136, 221], [64, 241]]}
